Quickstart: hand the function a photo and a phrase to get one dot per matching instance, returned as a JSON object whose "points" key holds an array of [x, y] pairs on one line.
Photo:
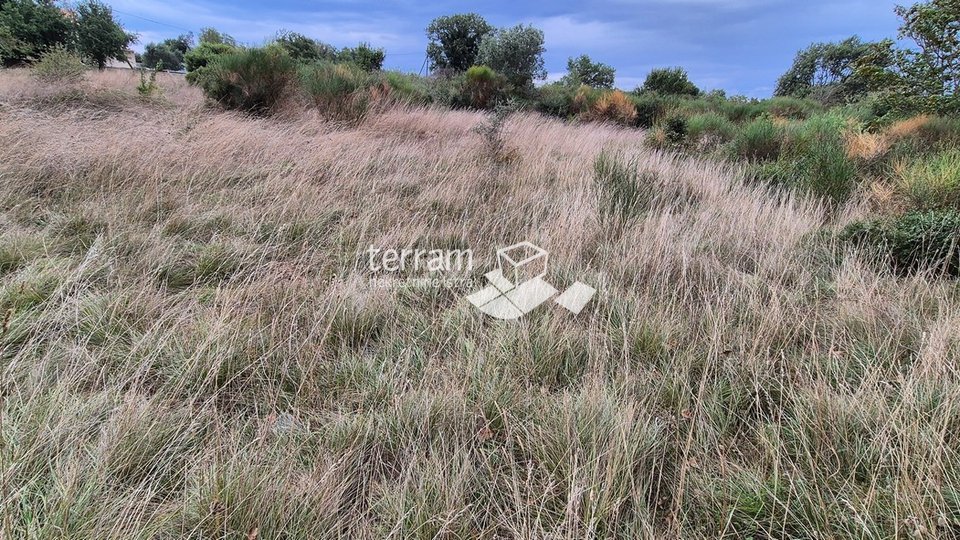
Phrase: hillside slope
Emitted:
{"points": [[191, 346]]}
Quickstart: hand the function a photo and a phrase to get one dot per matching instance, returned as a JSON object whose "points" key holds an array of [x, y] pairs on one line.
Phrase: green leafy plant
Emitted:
{"points": [[252, 80], [916, 241], [59, 65], [148, 84]]}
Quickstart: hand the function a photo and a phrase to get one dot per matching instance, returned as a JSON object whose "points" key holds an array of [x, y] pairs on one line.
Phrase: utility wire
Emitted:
{"points": [[151, 20]]}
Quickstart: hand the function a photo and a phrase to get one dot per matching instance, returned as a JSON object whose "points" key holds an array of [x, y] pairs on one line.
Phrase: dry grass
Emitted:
{"points": [[908, 127], [189, 350]]}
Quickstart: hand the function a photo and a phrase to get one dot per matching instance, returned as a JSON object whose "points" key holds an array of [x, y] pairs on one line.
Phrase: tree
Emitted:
{"points": [[925, 79], [516, 53], [827, 72], [669, 82], [582, 70], [216, 37], [303, 48], [169, 53], [160, 54], [200, 57], [182, 43], [28, 28], [363, 55], [455, 40], [99, 37]]}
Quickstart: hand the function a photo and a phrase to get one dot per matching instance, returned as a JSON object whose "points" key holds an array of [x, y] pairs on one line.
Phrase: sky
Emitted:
{"points": [[740, 46]]}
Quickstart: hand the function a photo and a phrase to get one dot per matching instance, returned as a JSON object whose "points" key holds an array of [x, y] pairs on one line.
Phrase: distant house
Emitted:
{"points": [[129, 63]]}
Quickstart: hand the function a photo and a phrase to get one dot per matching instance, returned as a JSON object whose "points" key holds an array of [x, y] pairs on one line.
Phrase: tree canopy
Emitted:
{"points": [[516, 53], [583, 70], [455, 40]]}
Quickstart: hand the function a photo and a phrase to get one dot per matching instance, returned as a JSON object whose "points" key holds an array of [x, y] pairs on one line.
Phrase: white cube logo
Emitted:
{"points": [[522, 262]]}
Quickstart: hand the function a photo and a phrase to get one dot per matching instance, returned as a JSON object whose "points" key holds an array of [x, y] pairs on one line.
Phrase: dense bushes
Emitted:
{"points": [[59, 65], [758, 140], [931, 182], [253, 80], [482, 86], [916, 241]]}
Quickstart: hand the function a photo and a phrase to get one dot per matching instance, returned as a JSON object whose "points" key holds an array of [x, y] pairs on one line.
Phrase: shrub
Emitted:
{"points": [[482, 86], [823, 166], [59, 65], [931, 182], [253, 80], [826, 171], [198, 58], [710, 128], [621, 190], [363, 56], [148, 85], [303, 48], [614, 107], [675, 127], [556, 99], [758, 140], [914, 242], [670, 82], [740, 110], [336, 89], [650, 108], [792, 108], [409, 88]]}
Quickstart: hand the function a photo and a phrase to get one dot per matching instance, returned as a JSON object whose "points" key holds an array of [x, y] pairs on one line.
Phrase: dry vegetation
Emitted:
{"points": [[189, 351]]}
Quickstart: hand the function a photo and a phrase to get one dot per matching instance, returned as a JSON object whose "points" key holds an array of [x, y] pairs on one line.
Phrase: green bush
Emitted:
{"points": [[800, 137], [932, 182], [669, 82], [710, 127], [59, 65], [759, 140], [339, 90], [675, 126], [253, 80], [651, 109], [740, 110], [826, 171], [482, 86], [914, 242], [556, 99], [409, 88], [792, 108], [197, 59]]}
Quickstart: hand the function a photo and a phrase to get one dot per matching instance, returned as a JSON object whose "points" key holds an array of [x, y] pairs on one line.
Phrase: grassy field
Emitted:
{"points": [[189, 348]]}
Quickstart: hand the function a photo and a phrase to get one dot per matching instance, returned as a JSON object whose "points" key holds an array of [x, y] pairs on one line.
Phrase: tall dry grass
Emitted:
{"points": [[189, 349]]}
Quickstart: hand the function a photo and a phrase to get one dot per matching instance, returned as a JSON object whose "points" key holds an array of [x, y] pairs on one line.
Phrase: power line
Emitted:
{"points": [[151, 20]]}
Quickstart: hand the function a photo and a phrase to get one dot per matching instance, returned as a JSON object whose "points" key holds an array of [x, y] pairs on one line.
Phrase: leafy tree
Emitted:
{"points": [[516, 53], [926, 78], [99, 37], [28, 28], [455, 40], [582, 70], [182, 43], [216, 37], [669, 82], [200, 57], [155, 54], [169, 53], [827, 72], [303, 48], [364, 56]]}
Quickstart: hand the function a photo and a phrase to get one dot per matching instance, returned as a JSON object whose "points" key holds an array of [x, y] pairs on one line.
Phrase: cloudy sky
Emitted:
{"points": [[741, 46]]}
